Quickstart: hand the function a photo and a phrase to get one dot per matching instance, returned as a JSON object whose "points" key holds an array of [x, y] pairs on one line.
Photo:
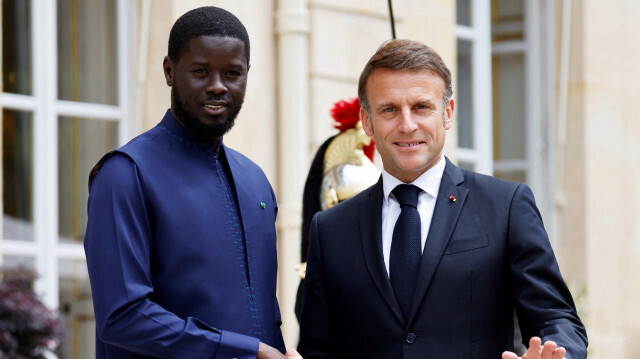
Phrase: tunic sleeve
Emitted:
{"points": [[118, 245]]}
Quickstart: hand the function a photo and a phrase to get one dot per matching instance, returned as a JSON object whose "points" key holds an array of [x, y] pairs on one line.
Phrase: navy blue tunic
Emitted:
{"points": [[181, 250]]}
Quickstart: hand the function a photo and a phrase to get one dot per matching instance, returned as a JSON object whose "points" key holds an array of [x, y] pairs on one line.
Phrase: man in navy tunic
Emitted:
{"points": [[181, 238]]}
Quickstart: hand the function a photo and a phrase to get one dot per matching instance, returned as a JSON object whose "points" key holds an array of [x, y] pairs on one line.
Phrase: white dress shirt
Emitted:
{"points": [[429, 183]]}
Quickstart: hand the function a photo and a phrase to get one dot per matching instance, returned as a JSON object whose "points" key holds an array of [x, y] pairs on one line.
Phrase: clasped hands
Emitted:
{"points": [[293, 354], [549, 350], [267, 352]]}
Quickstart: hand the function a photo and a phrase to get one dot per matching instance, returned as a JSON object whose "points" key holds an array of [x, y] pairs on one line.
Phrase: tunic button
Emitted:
{"points": [[411, 338]]}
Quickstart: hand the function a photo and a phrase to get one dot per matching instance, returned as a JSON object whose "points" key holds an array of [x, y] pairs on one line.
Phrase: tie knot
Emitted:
{"points": [[407, 195]]}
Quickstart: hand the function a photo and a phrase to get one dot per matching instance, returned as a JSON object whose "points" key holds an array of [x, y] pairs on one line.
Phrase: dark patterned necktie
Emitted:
{"points": [[406, 248]]}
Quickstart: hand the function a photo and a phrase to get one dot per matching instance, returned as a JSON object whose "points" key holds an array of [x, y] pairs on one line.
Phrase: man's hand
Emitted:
{"points": [[550, 350], [293, 354], [267, 352]]}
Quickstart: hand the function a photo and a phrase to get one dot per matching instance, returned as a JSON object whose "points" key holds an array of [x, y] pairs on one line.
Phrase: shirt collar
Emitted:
{"points": [[429, 181]]}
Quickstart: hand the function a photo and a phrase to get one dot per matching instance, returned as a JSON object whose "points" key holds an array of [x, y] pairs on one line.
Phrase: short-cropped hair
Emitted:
{"points": [[205, 21]]}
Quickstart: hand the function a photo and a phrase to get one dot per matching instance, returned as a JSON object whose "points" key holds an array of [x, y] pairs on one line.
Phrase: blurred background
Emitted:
{"points": [[546, 93]]}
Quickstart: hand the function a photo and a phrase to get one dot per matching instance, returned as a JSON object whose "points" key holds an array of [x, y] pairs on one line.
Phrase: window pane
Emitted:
{"points": [[17, 175], [509, 113], [82, 142], [517, 176], [16, 46], [14, 262], [464, 95], [507, 20], [87, 51], [76, 309], [463, 12], [469, 166]]}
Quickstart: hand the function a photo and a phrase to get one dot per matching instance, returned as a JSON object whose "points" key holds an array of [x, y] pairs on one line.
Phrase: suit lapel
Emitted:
{"points": [[370, 217], [445, 217]]}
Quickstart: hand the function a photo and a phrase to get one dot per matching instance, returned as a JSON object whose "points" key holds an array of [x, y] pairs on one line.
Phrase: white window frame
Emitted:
{"points": [[46, 248], [538, 112], [537, 49], [479, 34]]}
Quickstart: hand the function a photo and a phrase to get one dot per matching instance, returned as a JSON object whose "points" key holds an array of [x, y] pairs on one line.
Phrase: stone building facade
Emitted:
{"points": [[545, 93]]}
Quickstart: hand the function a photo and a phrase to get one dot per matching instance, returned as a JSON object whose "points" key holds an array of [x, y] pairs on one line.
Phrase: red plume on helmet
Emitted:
{"points": [[346, 114]]}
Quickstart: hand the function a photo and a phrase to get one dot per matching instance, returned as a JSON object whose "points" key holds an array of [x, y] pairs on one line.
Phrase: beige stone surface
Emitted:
{"points": [[324, 93], [151, 88], [599, 242], [341, 44]]}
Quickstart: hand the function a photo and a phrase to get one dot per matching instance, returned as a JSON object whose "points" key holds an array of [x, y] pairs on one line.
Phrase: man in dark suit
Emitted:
{"points": [[438, 275]]}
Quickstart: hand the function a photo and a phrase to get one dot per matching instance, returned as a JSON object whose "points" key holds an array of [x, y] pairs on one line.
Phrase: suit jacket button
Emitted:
{"points": [[411, 338]]}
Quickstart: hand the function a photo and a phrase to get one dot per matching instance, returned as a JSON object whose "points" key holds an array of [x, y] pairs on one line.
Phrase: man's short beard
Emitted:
{"points": [[214, 130]]}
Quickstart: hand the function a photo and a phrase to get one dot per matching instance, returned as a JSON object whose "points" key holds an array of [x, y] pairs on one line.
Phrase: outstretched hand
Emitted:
{"points": [[549, 350]]}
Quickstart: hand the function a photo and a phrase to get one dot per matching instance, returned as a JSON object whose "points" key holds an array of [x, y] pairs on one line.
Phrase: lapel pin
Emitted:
{"points": [[452, 198], [263, 205]]}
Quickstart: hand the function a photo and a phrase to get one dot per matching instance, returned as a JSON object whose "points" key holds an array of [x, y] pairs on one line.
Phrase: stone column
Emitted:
{"points": [[292, 28]]}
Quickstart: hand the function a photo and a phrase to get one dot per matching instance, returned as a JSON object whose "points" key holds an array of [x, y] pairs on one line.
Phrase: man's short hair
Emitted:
{"points": [[405, 55], [205, 21]]}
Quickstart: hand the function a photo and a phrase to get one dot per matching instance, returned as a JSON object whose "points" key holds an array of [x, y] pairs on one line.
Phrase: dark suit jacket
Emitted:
{"points": [[486, 255]]}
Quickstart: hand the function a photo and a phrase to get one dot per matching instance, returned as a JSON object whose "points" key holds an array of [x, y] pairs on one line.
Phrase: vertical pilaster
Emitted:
{"points": [[292, 28]]}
